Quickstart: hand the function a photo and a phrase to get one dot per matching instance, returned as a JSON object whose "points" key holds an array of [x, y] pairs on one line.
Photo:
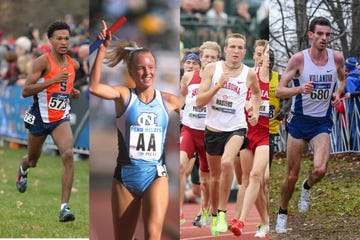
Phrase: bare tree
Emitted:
{"points": [[337, 10], [289, 22], [282, 32], [355, 43], [301, 23]]}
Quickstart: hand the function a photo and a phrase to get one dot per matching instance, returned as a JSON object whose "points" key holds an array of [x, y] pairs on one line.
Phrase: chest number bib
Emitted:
{"points": [[145, 142], [271, 112], [321, 92], [224, 105], [264, 108], [57, 103]]}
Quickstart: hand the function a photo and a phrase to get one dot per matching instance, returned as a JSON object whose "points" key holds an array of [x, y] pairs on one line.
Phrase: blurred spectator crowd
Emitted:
{"points": [[212, 20], [18, 52]]}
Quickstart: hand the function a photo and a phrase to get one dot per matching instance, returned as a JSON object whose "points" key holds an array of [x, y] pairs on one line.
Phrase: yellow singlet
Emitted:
{"points": [[274, 103]]}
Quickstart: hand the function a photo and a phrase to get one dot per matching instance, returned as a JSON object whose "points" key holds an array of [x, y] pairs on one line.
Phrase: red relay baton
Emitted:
{"points": [[112, 29]]}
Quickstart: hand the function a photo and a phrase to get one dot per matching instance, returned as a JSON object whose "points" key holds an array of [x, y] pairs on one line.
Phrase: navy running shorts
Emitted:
{"points": [[33, 122], [306, 127]]}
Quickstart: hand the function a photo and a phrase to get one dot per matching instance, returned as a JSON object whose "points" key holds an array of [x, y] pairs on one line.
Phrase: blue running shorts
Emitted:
{"points": [[306, 127], [138, 178], [33, 122]]}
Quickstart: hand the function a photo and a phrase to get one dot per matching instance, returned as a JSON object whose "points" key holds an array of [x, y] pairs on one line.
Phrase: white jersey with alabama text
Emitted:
{"points": [[225, 111]]}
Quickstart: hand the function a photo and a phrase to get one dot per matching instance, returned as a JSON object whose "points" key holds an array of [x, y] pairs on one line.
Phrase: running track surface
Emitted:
{"points": [[190, 232]]}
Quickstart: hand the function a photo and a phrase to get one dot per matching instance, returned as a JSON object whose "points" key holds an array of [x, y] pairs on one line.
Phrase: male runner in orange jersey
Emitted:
{"points": [[51, 85]]}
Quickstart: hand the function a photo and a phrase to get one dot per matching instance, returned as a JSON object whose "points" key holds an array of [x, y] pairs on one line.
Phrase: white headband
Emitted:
{"points": [[132, 48]]}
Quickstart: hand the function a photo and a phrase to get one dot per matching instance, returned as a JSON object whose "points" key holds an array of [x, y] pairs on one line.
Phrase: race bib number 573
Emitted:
{"points": [[57, 103]]}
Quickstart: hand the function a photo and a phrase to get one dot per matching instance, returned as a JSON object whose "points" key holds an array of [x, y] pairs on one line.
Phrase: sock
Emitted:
{"points": [[306, 186], [62, 206], [22, 170], [283, 211], [224, 211]]}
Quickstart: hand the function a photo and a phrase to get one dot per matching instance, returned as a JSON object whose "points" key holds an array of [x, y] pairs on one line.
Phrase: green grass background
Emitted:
{"points": [[335, 200], [34, 214]]}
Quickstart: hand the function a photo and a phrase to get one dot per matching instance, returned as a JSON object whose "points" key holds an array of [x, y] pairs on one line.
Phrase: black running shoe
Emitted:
{"points": [[196, 222], [21, 181], [66, 215]]}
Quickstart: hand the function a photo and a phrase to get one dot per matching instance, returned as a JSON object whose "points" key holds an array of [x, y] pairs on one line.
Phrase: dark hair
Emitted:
{"points": [[271, 58], [271, 55], [194, 50], [318, 21], [57, 25]]}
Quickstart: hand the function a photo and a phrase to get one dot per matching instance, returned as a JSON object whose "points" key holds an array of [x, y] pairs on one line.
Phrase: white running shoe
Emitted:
{"points": [[281, 223], [205, 218], [261, 230], [304, 200]]}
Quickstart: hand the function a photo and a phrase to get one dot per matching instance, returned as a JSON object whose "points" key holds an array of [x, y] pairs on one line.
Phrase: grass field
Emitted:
{"points": [[34, 214], [335, 201]]}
